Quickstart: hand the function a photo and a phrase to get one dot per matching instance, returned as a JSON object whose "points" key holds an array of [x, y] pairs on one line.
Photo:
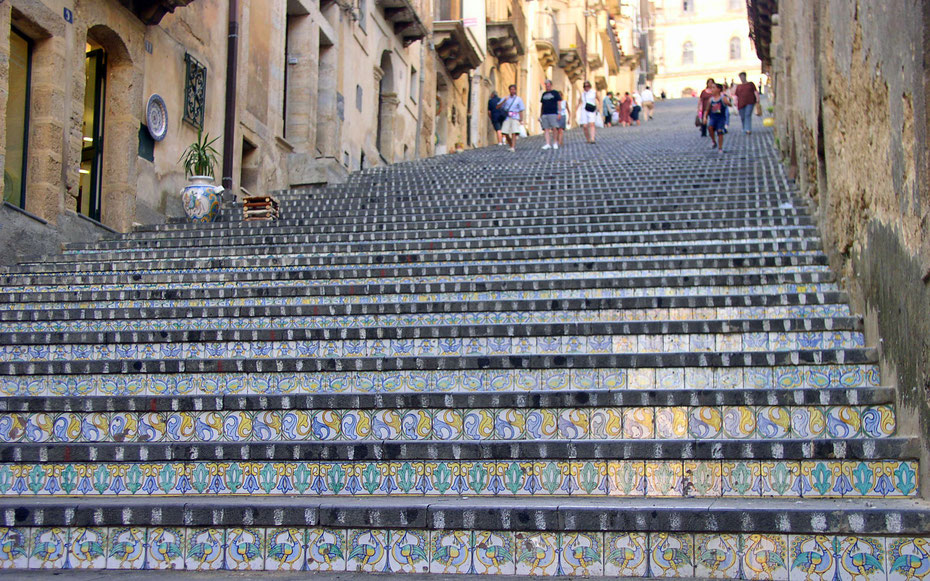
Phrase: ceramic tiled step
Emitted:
{"points": [[608, 202], [689, 283], [450, 341], [209, 319], [787, 376], [406, 253], [700, 415], [785, 244], [208, 270], [623, 243], [884, 478], [813, 516], [469, 221], [331, 553]]}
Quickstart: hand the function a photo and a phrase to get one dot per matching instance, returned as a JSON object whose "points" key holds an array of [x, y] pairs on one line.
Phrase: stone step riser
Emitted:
{"points": [[210, 321], [447, 382], [580, 478]]}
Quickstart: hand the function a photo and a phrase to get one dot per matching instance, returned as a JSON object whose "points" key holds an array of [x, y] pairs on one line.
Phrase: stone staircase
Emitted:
{"points": [[627, 359]]}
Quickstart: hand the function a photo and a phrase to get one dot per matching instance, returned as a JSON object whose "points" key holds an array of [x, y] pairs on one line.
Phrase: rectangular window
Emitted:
{"points": [[17, 120], [195, 91]]}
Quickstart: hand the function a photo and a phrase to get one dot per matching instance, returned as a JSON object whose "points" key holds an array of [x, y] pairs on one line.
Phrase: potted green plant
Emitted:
{"points": [[200, 197]]}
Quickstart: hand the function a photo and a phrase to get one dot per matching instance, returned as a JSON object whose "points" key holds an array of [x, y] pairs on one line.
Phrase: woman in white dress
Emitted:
{"points": [[588, 111]]}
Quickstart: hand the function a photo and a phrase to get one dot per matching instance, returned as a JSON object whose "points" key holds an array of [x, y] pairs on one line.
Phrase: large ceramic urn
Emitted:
{"points": [[201, 199]]}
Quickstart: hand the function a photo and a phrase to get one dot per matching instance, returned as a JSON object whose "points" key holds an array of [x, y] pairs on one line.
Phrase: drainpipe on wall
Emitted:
{"points": [[232, 69], [416, 146]]}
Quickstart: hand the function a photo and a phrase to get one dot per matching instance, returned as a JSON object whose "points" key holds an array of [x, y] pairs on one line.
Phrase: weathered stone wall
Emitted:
{"points": [[851, 110]]}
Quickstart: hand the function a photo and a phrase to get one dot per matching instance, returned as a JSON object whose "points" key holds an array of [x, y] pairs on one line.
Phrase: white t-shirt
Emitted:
{"points": [[637, 100], [648, 97], [513, 106], [589, 96]]}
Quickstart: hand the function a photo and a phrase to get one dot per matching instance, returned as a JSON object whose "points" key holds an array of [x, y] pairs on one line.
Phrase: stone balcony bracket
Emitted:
{"points": [[505, 42], [456, 47], [402, 14]]}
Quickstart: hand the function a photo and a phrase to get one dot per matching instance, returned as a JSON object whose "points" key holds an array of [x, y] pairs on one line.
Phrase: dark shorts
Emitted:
{"points": [[717, 121], [497, 123], [634, 114]]}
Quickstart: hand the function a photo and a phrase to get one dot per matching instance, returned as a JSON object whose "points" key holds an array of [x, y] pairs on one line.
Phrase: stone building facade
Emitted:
{"points": [[315, 89], [851, 112], [693, 40]]}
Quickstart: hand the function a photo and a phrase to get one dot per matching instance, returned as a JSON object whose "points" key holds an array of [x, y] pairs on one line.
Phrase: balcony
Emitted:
{"points": [[595, 52], [455, 44], [614, 52], [150, 12], [402, 14], [546, 37], [571, 51], [506, 30]]}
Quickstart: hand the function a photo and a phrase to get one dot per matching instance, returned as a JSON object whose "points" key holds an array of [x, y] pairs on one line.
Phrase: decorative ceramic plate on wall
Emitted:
{"points": [[156, 117]]}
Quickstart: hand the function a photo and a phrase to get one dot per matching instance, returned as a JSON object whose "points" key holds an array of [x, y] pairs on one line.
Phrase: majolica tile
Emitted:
{"points": [[87, 548], [245, 549], [451, 552], [812, 556], [808, 422], [164, 547], [639, 378], [408, 551], [48, 548], [878, 421], [704, 422], [671, 422], [728, 378], [626, 554], [606, 423], [582, 554], [907, 558], [663, 478], [739, 422], [627, 477], [861, 558], [638, 423], [701, 478], [15, 548], [671, 555], [740, 478], [773, 422], [537, 553], [765, 556], [717, 556], [205, 549], [367, 550], [843, 421], [495, 553], [326, 549], [779, 478]]}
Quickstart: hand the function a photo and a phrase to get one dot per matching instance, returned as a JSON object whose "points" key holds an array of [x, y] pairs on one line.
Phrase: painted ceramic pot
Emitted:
{"points": [[201, 199]]}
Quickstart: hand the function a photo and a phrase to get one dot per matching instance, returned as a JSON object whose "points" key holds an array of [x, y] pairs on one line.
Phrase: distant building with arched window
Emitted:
{"points": [[696, 40]]}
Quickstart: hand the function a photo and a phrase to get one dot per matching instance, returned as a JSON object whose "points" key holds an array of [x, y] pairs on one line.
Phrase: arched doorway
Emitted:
{"points": [[110, 125], [91, 172], [387, 107]]}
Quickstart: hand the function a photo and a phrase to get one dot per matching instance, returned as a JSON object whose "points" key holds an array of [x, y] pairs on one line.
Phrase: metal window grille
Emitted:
{"points": [[195, 91]]}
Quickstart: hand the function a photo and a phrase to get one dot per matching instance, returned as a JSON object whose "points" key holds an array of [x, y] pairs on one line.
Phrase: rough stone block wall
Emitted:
{"points": [[851, 113]]}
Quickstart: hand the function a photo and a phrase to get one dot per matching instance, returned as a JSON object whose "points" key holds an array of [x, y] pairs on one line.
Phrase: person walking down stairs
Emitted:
{"points": [[551, 115], [514, 107], [588, 111]]}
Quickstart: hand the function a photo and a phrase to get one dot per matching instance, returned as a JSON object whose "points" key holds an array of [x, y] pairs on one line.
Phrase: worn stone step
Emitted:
{"points": [[247, 269], [705, 516], [290, 245], [269, 383], [464, 362], [424, 315], [463, 223], [336, 256], [752, 334], [728, 282], [773, 449]]}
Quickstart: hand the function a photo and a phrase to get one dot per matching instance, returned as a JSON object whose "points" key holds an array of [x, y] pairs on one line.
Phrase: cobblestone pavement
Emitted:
{"points": [[625, 359]]}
